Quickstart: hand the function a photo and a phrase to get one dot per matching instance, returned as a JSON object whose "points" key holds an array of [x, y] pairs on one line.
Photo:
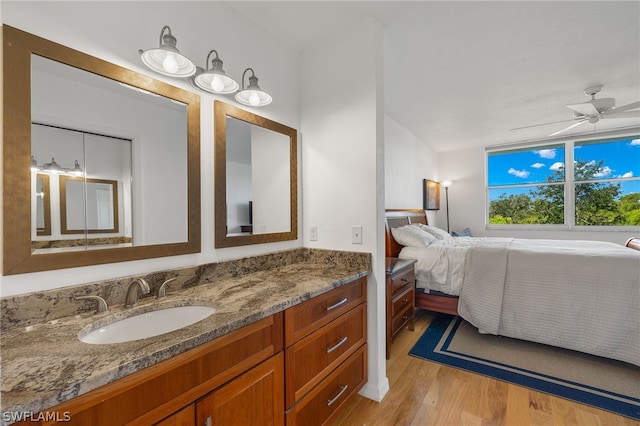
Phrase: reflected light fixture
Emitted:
{"points": [[166, 59], [214, 79], [77, 170], [252, 95], [34, 164], [52, 167]]}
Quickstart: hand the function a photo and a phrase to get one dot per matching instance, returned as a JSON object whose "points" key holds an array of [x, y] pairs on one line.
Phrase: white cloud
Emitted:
{"points": [[627, 175], [635, 142], [518, 173], [603, 172], [556, 166], [546, 153], [537, 165]]}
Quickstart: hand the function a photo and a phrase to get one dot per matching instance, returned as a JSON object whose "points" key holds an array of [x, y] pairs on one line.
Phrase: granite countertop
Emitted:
{"points": [[45, 364]]}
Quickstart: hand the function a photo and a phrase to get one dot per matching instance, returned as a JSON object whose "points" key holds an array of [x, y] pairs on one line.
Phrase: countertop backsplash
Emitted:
{"points": [[43, 306]]}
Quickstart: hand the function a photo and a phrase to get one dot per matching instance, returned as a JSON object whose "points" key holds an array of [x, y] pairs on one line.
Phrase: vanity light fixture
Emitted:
{"points": [[214, 79], [167, 59], [252, 95], [54, 168]]}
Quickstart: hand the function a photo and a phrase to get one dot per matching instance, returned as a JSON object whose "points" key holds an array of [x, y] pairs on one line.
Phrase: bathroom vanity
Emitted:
{"points": [[285, 342]]}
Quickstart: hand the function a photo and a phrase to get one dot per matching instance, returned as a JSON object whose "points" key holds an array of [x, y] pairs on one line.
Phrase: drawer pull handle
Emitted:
{"points": [[207, 421], [335, 305], [404, 280], [343, 389], [405, 300], [337, 345]]}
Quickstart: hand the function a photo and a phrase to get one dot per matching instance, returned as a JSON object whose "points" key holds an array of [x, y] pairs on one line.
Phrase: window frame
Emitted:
{"points": [[569, 183]]}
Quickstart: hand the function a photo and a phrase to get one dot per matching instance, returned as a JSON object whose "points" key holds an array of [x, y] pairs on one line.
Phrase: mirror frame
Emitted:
{"points": [[64, 229], [221, 112], [46, 205], [18, 257]]}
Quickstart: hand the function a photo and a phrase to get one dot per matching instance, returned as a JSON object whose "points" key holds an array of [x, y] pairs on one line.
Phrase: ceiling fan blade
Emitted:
{"points": [[569, 128], [543, 124], [629, 114], [586, 109], [623, 108]]}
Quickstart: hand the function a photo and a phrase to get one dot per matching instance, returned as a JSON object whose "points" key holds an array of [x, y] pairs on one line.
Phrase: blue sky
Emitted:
{"points": [[621, 159]]}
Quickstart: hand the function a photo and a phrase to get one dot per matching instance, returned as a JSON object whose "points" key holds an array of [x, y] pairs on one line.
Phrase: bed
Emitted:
{"points": [[580, 295]]}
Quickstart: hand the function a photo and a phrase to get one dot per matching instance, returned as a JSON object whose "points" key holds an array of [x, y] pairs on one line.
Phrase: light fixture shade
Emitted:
{"points": [[166, 59], [52, 167], [77, 170], [252, 95], [214, 79]]}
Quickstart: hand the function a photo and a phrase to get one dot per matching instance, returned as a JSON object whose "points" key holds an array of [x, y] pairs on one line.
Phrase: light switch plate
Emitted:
{"points": [[313, 233], [356, 234]]}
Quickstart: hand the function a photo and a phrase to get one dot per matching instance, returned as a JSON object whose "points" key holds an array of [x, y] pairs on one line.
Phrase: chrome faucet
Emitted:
{"points": [[132, 292], [102, 304], [162, 291]]}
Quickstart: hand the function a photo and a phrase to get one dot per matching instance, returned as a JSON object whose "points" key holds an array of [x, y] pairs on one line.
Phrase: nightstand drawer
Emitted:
{"points": [[308, 360], [401, 302], [402, 318], [398, 282]]}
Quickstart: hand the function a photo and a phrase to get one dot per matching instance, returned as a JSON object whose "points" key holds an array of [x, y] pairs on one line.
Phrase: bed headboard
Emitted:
{"points": [[394, 218]]}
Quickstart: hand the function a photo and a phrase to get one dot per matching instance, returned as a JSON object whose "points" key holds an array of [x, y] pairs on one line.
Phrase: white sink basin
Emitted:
{"points": [[147, 324]]}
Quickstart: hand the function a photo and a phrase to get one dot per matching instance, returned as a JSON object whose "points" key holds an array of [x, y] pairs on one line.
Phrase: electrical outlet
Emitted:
{"points": [[313, 233], [356, 234]]}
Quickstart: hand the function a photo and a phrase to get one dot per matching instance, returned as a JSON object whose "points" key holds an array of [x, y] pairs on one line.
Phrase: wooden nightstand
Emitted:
{"points": [[400, 282]]}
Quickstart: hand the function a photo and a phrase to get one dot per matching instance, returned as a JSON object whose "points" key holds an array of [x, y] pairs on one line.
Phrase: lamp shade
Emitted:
{"points": [[252, 95], [214, 79], [167, 59]]}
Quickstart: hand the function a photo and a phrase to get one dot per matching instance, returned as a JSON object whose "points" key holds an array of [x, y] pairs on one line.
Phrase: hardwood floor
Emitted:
{"points": [[425, 393]]}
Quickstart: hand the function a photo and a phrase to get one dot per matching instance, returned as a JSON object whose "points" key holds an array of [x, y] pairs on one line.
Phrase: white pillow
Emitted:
{"points": [[412, 236], [440, 234]]}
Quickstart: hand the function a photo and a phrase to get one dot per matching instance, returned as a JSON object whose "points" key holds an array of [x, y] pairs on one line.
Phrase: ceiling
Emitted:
{"points": [[461, 74]]}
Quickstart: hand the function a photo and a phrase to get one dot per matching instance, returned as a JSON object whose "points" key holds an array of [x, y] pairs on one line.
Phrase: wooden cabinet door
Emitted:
{"points": [[253, 398], [184, 417]]}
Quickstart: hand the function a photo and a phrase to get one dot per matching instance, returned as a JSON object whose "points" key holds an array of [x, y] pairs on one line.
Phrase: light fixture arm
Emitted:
{"points": [[167, 40], [253, 76], [216, 63]]}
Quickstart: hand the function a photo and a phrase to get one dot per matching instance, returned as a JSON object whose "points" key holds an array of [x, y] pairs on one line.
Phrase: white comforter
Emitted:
{"points": [[580, 295]]}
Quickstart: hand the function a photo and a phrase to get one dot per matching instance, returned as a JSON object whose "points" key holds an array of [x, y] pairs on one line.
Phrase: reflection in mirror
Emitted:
{"points": [[88, 205], [103, 122], [42, 199], [256, 178]]}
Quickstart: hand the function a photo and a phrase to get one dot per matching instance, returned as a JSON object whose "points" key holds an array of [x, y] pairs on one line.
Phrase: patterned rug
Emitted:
{"points": [[606, 384]]}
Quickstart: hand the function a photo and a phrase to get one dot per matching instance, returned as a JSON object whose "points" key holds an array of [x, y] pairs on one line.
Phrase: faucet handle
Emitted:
{"points": [[162, 291], [102, 304]]}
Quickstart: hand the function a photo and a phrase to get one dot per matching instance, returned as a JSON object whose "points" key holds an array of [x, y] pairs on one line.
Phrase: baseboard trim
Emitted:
{"points": [[375, 393]]}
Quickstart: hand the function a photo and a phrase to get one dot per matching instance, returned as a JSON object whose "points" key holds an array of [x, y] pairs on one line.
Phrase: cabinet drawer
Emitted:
{"points": [[320, 405], [309, 360], [401, 302], [403, 279], [303, 319], [401, 318]]}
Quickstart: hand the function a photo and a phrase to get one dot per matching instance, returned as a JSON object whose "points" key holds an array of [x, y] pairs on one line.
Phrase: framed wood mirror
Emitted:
{"points": [[160, 173], [256, 178]]}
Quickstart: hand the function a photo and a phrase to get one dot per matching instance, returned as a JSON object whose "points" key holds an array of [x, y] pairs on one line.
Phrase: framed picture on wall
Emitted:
{"points": [[430, 195]]}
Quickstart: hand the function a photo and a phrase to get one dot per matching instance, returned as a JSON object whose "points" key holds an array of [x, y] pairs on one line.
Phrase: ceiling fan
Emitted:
{"points": [[594, 110]]}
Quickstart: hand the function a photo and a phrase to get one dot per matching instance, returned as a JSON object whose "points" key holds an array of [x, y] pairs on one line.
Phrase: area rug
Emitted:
{"points": [[606, 384]]}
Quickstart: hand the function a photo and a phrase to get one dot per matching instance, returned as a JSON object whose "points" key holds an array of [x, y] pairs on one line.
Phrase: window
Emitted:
{"points": [[531, 186]]}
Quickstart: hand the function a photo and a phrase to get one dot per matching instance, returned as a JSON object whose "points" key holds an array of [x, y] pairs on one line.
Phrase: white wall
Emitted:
{"points": [[466, 169], [407, 161], [114, 31], [343, 163]]}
